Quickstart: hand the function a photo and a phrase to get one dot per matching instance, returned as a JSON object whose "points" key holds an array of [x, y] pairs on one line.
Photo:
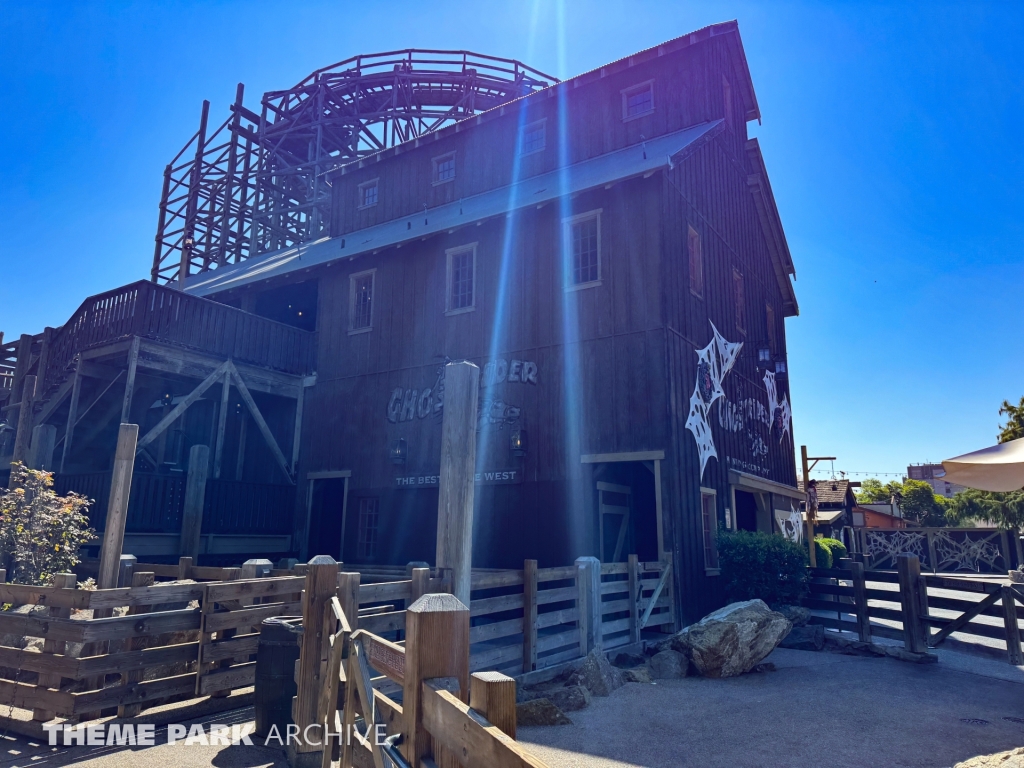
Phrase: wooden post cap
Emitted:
{"points": [[437, 602], [323, 560]]}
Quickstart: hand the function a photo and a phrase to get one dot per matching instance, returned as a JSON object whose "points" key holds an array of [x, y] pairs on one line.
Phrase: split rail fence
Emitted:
{"points": [[80, 654], [922, 610]]}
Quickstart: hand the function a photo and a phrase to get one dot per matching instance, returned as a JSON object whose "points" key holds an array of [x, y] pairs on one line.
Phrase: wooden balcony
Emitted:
{"points": [[164, 314]]}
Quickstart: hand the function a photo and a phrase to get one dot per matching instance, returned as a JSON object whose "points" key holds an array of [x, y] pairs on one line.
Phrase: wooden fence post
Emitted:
{"points": [[529, 615], [195, 497], [909, 568], [860, 601], [52, 679], [493, 695], [184, 568], [633, 566], [348, 596], [23, 435], [1012, 628], [458, 476], [117, 508], [321, 586], [420, 578], [588, 602], [142, 579], [436, 645]]}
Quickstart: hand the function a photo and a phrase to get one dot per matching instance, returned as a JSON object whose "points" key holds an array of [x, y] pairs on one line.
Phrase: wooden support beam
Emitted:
{"points": [[588, 602], [529, 615], [183, 406], [69, 430], [23, 436], [860, 601], [40, 454], [195, 496], [457, 476], [436, 646], [909, 568], [143, 579], [117, 507], [297, 433], [51, 679], [1012, 628], [129, 387], [633, 573], [84, 413], [275, 449], [222, 423], [243, 430]]}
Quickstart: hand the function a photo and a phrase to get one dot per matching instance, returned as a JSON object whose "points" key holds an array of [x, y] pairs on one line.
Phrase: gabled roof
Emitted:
{"points": [[641, 159], [771, 226], [826, 494]]}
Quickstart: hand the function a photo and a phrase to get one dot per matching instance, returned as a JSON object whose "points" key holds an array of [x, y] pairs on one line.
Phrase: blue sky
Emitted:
{"points": [[890, 130]]}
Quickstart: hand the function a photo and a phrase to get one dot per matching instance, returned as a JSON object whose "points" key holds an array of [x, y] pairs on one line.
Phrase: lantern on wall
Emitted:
{"points": [[399, 451], [764, 356], [517, 442]]}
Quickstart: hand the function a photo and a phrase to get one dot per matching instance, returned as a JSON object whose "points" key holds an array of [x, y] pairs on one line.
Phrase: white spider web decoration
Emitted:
{"points": [[713, 362], [780, 413]]}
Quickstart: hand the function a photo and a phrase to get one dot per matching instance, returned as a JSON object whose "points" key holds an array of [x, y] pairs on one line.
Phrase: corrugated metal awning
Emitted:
{"points": [[638, 160]]}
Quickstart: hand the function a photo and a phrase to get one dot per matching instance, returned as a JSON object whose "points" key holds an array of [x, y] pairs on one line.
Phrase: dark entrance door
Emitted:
{"points": [[326, 513], [746, 511]]}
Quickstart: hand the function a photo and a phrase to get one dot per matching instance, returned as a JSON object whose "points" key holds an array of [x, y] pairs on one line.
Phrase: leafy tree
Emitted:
{"points": [[917, 499], [40, 532], [1014, 426], [1004, 509]]}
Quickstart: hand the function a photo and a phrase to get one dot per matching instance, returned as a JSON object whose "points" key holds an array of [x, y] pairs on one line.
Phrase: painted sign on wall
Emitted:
{"points": [[491, 477]]}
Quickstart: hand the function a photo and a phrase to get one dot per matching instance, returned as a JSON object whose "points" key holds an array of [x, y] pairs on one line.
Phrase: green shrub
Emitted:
{"points": [[767, 566], [837, 548], [822, 553]]}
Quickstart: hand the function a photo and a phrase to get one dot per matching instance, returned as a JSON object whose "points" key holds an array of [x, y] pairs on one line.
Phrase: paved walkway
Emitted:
{"points": [[816, 709]]}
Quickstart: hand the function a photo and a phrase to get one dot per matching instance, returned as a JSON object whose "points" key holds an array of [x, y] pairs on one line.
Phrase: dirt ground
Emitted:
{"points": [[816, 709]]}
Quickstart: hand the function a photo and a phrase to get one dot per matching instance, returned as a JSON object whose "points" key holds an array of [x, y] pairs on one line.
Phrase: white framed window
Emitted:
{"points": [[638, 100], [582, 236], [368, 191], [444, 168], [360, 301], [461, 279], [369, 515], [709, 525], [533, 137]]}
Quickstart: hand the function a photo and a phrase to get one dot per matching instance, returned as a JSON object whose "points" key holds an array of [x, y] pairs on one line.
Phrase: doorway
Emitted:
{"points": [[614, 505], [327, 507]]}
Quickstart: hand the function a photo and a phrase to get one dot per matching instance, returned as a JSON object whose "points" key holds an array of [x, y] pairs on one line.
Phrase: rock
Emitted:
{"points": [[629, 660], [733, 639], [597, 675], [807, 638], [895, 652], [571, 698], [638, 675], [797, 614], [1013, 758], [1017, 577], [765, 666], [540, 712], [669, 665]]}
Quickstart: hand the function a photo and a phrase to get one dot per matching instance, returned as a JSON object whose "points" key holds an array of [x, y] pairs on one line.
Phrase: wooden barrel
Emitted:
{"points": [[275, 673]]}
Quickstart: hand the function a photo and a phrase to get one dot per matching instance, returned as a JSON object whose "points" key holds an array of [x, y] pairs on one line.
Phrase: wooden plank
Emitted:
{"points": [[321, 586], [117, 507], [386, 657], [139, 580], [557, 640], [235, 647], [136, 693], [392, 621], [861, 602], [155, 595], [29, 696], [499, 579], [495, 630], [385, 591], [62, 581], [261, 424], [119, 627], [553, 659], [617, 587], [554, 618], [228, 679], [252, 588], [147, 658], [961, 621], [493, 695], [496, 604], [556, 574], [195, 496], [495, 657], [560, 595], [33, 661], [1010, 626], [961, 585], [25, 594], [249, 617], [464, 732], [181, 407], [619, 625]]}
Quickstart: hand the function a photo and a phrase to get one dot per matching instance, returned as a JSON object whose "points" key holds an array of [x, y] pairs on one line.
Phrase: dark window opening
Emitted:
{"points": [[368, 518], [294, 304]]}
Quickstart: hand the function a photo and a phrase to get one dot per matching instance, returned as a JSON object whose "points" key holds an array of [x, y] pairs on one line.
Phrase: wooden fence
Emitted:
{"points": [[447, 717], [942, 550], [922, 610]]}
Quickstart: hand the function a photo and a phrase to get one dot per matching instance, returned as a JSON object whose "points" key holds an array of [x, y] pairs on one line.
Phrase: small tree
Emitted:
{"points": [[40, 532], [1014, 426]]}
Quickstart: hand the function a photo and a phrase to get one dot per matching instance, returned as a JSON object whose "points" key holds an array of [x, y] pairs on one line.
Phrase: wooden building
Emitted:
{"points": [[608, 251]]}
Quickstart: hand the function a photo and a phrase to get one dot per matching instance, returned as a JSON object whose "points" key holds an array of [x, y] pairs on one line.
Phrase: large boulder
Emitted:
{"points": [[669, 665], [797, 614], [570, 699], [540, 712], [597, 675], [734, 639], [810, 637], [637, 675]]}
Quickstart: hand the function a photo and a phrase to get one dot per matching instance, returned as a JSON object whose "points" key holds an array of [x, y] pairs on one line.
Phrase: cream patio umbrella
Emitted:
{"points": [[998, 468]]}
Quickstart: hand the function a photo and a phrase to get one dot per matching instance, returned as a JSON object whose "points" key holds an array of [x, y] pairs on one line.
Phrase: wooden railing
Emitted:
{"points": [[922, 610], [941, 550], [636, 596], [161, 313], [447, 717]]}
